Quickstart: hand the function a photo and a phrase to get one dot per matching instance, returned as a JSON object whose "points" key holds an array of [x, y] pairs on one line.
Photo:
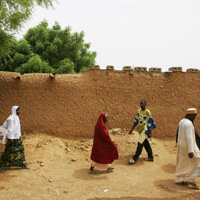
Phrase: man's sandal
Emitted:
{"points": [[193, 185], [131, 162], [181, 183], [148, 159]]}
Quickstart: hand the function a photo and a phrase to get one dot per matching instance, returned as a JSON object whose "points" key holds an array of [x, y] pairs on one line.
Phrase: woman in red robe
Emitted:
{"points": [[104, 151]]}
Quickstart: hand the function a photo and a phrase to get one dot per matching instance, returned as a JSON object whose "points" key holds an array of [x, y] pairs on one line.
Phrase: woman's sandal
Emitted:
{"points": [[193, 185], [25, 167], [92, 172], [110, 169]]}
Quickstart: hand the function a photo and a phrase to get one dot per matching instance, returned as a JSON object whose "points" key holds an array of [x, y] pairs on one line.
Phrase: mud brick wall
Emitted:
{"points": [[69, 105]]}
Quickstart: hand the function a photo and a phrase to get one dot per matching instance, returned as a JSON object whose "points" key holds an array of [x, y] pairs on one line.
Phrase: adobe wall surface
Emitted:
{"points": [[69, 105]]}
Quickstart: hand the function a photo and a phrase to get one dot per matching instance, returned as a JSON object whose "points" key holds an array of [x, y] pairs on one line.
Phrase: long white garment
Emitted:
{"points": [[185, 166], [12, 125]]}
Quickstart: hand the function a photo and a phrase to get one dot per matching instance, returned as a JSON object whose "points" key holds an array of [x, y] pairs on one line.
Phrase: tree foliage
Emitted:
{"points": [[35, 64], [65, 66], [53, 49], [13, 14]]}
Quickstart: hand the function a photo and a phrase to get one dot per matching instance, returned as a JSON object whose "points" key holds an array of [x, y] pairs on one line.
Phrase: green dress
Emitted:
{"points": [[13, 154]]}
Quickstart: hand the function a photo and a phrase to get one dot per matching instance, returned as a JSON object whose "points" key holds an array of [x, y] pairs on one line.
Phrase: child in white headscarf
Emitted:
{"points": [[14, 150]]}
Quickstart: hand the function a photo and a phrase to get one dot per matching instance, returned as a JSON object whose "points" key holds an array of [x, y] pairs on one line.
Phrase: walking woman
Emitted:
{"points": [[14, 150], [104, 151]]}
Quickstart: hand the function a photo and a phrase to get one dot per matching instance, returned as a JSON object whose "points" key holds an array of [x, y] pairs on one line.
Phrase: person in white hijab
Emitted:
{"points": [[12, 124], [14, 151], [188, 154]]}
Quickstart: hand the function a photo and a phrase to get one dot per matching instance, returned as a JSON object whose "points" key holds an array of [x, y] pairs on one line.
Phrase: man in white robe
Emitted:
{"points": [[188, 154]]}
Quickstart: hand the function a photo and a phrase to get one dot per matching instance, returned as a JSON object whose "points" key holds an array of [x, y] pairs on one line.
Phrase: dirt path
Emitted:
{"points": [[59, 171]]}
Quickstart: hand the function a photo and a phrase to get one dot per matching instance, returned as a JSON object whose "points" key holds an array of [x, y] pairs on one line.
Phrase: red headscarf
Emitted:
{"points": [[104, 150]]}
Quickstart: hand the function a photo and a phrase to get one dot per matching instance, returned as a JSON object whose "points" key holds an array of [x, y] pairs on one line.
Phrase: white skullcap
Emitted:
{"points": [[191, 111]]}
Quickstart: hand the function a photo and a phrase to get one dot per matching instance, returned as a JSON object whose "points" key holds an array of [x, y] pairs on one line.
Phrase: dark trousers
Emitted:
{"points": [[147, 147]]}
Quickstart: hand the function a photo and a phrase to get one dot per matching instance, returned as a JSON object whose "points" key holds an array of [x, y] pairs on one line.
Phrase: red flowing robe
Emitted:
{"points": [[104, 150]]}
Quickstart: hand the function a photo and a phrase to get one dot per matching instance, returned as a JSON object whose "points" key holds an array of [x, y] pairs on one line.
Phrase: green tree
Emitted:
{"points": [[10, 44], [85, 58], [65, 66], [57, 49], [13, 14], [6, 42], [20, 54], [55, 45], [35, 64]]}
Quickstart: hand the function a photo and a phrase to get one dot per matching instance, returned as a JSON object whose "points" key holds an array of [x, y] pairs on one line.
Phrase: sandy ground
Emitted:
{"points": [[58, 170]]}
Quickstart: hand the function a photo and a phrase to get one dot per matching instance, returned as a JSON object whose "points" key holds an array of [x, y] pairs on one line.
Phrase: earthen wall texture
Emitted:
{"points": [[69, 105]]}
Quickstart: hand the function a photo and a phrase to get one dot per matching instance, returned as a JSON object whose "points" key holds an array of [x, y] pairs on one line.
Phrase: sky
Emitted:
{"points": [[136, 33]]}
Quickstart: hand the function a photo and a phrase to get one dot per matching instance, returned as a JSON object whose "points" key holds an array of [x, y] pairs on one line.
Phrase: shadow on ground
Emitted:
{"points": [[195, 196]]}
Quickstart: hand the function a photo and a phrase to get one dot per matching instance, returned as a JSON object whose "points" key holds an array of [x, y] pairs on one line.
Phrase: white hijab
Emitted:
{"points": [[12, 124]]}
